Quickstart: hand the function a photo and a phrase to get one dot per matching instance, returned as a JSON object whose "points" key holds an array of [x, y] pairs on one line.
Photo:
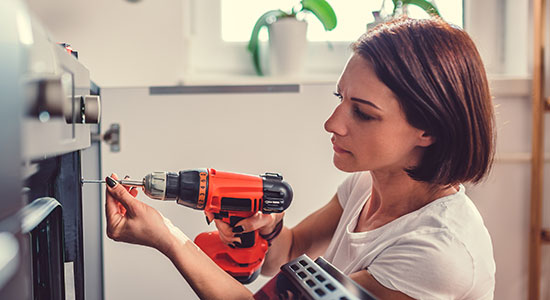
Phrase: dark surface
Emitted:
{"points": [[189, 186], [277, 193], [303, 278], [59, 177], [46, 241]]}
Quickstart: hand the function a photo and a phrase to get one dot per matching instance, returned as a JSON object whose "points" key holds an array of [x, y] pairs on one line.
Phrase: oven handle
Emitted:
{"points": [[35, 212]]}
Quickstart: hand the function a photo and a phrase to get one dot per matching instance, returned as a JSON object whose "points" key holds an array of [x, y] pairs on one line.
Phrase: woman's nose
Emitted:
{"points": [[334, 124]]}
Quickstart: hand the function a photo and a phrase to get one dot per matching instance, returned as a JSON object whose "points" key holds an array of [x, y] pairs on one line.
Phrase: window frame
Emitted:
{"points": [[208, 57]]}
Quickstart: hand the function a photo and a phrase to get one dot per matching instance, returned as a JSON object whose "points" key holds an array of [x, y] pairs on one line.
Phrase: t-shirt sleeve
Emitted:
{"points": [[346, 187], [425, 266]]}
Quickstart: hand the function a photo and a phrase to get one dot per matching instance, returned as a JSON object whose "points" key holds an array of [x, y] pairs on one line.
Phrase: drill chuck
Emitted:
{"points": [[186, 187], [154, 185]]}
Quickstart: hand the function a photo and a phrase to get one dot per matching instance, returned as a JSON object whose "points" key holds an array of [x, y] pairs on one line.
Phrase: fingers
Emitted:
{"points": [[114, 212], [119, 192], [226, 232], [111, 205], [258, 221]]}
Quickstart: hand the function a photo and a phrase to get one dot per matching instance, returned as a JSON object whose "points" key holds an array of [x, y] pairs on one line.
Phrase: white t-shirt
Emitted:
{"points": [[440, 251]]}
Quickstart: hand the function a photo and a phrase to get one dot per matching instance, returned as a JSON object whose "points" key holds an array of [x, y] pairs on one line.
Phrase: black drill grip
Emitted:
{"points": [[248, 238]]}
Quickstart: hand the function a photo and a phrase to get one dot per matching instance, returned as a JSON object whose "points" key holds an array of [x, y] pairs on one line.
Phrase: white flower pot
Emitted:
{"points": [[287, 47]]}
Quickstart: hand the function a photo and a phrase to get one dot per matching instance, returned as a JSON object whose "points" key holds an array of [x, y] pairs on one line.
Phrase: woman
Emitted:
{"points": [[415, 121]]}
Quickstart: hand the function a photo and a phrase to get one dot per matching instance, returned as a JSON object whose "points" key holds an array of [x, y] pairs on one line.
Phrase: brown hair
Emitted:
{"points": [[436, 73]]}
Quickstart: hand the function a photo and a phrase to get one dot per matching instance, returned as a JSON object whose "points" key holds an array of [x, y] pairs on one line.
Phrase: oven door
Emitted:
{"points": [[42, 223]]}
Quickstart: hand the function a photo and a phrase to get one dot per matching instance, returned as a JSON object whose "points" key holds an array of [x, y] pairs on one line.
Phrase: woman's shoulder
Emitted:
{"points": [[447, 256], [426, 263], [445, 244], [454, 221], [436, 250]]}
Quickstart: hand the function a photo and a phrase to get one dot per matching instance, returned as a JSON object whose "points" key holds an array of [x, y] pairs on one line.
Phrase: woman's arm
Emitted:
{"points": [[206, 278], [132, 221], [311, 236], [366, 280]]}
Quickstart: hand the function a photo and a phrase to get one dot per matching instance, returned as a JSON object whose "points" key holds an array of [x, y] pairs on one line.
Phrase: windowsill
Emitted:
{"points": [[501, 85]]}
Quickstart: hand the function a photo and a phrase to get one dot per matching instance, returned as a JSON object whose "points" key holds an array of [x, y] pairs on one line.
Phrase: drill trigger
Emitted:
{"points": [[221, 215]]}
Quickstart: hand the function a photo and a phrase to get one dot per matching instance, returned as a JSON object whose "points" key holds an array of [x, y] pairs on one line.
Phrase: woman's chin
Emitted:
{"points": [[341, 165]]}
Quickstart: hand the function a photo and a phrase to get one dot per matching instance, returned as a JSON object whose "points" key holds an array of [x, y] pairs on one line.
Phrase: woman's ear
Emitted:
{"points": [[425, 139]]}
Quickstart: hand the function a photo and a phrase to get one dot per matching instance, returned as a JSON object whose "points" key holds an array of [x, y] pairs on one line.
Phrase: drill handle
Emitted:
{"points": [[248, 239]]}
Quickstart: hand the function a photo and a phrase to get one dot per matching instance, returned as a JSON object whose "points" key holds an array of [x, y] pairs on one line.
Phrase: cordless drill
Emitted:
{"points": [[230, 197]]}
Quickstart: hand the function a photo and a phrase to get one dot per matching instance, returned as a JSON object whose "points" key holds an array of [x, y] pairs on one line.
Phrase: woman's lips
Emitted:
{"points": [[338, 149]]}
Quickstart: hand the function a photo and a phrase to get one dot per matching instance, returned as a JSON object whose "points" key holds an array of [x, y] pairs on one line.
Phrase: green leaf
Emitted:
{"points": [[323, 11], [427, 6], [253, 46]]}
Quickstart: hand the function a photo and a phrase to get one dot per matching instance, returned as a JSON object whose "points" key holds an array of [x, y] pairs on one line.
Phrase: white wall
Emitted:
{"points": [[124, 43]]}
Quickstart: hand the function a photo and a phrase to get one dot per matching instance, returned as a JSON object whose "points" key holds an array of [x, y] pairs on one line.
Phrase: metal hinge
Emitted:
{"points": [[111, 137]]}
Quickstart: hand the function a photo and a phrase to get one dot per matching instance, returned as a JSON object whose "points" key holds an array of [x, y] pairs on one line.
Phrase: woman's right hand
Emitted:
{"points": [[265, 223], [132, 221]]}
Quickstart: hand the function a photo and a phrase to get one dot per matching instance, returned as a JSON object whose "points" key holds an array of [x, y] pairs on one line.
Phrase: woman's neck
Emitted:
{"points": [[394, 195]]}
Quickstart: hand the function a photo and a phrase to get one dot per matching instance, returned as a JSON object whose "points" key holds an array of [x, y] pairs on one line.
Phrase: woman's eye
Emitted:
{"points": [[339, 96], [361, 115], [356, 111]]}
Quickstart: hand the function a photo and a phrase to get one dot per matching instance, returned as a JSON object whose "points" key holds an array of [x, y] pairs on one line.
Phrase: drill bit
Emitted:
{"points": [[129, 182]]}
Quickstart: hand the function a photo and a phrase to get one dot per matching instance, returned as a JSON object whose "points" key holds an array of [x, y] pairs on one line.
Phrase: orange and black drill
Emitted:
{"points": [[230, 197]]}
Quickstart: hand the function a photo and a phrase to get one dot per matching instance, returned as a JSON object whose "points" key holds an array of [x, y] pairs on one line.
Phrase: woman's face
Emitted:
{"points": [[369, 129]]}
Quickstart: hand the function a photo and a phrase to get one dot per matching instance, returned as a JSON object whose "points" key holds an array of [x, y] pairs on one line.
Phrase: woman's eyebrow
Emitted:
{"points": [[365, 102]]}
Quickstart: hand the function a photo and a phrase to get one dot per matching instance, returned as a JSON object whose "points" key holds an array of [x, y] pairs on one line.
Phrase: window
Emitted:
{"points": [[217, 32], [353, 15]]}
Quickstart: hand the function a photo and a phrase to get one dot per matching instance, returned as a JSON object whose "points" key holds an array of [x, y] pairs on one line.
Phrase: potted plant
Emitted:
{"points": [[400, 9], [287, 36]]}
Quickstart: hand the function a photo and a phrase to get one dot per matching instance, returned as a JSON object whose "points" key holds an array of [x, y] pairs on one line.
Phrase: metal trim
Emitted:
{"points": [[224, 89]]}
